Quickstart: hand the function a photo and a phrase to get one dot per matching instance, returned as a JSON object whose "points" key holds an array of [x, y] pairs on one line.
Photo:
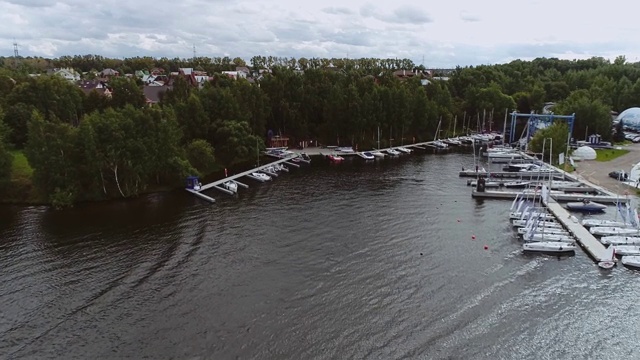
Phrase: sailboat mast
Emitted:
{"points": [[504, 126], [378, 136], [455, 122]]}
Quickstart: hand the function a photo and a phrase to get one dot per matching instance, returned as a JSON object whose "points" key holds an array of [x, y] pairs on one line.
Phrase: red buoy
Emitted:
{"points": [[458, 220], [486, 247], [473, 237]]}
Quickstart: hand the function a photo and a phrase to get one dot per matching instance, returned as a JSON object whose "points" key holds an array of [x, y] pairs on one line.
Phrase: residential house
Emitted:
{"points": [[245, 70], [157, 71], [100, 86], [108, 73], [235, 74], [153, 94], [67, 73], [194, 77]]}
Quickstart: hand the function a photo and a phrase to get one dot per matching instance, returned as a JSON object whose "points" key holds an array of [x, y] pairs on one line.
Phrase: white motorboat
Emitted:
{"points": [[586, 205], [516, 167], [452, 142], [620, 240], [404, 150], [377, 154], [631, 261], [366, 155], [439, 144], [533, 237], [610, 230], [545, 224], [602, 222], [393, 152], [625, 250], [610, 259], [487, 184], [517, 184], [281, 167], [231, 186], [261, 176], [554, 247], [546, 230]]}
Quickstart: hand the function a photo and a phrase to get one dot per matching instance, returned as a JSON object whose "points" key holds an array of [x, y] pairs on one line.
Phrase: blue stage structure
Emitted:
{"points": [[536, 119]]}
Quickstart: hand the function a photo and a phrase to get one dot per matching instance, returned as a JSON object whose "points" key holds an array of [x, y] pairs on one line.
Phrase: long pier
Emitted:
{"points": [[588, 242]]}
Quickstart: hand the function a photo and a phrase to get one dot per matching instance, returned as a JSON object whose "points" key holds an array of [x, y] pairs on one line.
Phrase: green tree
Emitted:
{"points": [[50, 151], [592, 115], [201, 156], [6, 159], [125, 92], [558, 133]]}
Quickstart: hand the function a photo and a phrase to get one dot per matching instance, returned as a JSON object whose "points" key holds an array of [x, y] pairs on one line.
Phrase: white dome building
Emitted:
{"points": [[630, 118], [584, 153]]}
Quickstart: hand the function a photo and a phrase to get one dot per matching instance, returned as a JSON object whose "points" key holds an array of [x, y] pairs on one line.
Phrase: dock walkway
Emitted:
{"points": [[245, 173], [511, 194], [588, 242]]}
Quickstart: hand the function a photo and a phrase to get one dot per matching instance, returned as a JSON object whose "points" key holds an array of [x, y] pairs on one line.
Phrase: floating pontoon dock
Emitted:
{"points": [[510, 195], [588, 242], [508, 174], [216, 184]]}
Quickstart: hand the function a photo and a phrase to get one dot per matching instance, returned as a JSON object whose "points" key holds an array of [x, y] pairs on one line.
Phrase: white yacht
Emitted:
{"points": [[393, 152], [625, 250], [378, 154], [404, 149]]}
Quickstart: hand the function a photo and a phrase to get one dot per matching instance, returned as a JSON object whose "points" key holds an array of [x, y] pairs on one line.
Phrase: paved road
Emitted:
{"points": [[597, 172]]}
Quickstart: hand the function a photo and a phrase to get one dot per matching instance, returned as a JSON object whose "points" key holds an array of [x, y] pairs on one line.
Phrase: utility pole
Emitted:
{"points": [[15, 53]]}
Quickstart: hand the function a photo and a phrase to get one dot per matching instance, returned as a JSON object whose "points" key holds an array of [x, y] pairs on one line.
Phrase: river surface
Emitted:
{"points": [[354, 261]]}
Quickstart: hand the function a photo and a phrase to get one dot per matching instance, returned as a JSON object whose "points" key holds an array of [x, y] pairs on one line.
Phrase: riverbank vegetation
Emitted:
{"points": [[90, 146]]}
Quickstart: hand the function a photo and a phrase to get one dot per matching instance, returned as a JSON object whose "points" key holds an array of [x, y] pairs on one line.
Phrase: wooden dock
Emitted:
{"points": [[588, 242], [511, 194]]}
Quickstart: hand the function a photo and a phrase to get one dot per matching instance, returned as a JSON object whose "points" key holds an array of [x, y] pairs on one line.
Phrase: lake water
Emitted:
{"points": [[353, 261]]}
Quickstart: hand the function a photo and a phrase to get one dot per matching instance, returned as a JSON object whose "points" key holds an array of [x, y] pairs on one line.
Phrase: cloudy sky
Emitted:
{"points": [[443, 33]]}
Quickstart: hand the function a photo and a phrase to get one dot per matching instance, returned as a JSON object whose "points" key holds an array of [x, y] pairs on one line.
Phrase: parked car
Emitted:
{"points": [[619, 175]]}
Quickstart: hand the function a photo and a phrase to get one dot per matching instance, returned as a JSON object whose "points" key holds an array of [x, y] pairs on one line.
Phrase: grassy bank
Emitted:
{"points": [[609, 154]]}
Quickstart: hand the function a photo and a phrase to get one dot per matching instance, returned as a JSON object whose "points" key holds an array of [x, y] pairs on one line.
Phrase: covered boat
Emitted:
{"points": [[545, 223], [537, 237], [552, 247], [610, 230], [586, 205], [625, 250], [231, 186], [620, 240], [631, 261], [602, 222]]}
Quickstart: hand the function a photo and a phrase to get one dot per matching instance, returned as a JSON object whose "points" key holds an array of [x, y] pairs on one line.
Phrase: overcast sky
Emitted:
{"points": [[445, 33]]}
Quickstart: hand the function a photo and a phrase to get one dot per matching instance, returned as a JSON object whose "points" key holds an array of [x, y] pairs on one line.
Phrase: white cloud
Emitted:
{"points": [[446, 34]]}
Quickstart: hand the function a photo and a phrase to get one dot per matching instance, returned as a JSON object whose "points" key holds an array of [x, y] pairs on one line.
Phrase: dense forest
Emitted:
{"points": [[60, 145]]}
